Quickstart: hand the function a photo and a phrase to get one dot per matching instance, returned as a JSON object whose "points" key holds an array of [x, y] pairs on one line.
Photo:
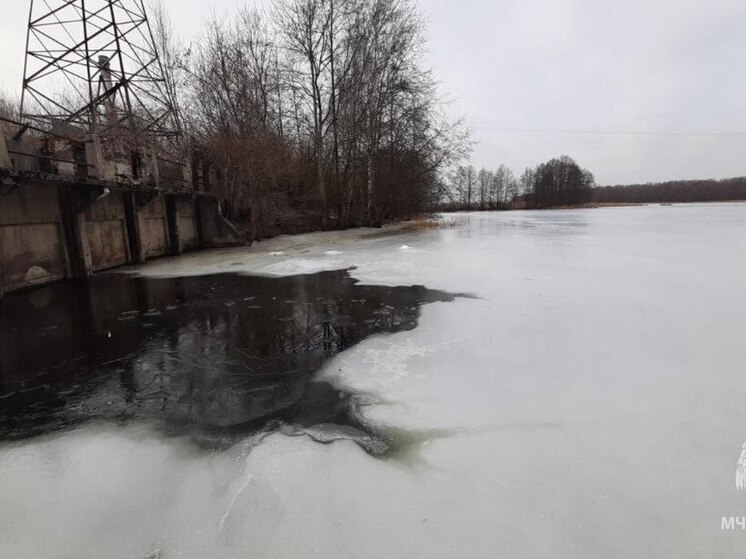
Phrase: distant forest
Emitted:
{"points": [[562, 183], [672, 191], [556, 183]]}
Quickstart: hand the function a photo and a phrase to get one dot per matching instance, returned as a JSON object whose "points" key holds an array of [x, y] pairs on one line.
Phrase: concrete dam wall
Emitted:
{"points": [[71, 206], [52, 231]]}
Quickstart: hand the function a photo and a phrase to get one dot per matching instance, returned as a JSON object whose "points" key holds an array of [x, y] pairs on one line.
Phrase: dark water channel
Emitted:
{"points": [[214, 356]]}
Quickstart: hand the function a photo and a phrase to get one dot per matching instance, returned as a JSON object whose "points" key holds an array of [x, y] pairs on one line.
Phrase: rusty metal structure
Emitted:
{"points": [[93, 173], [96, 101], [92, 65]]}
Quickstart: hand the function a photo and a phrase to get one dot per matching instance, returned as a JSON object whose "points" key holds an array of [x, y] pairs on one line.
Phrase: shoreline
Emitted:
{"points": [[594, 206]]}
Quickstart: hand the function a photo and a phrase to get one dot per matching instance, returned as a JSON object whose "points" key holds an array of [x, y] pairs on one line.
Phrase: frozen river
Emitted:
{"points": [[567, 384]]}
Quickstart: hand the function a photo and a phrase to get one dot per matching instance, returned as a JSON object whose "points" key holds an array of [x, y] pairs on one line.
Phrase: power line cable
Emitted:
{"points": [[609, 132]]}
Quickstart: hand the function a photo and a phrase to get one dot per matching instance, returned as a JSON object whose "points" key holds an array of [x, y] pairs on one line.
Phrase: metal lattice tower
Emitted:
{"points": [[92, 66]]}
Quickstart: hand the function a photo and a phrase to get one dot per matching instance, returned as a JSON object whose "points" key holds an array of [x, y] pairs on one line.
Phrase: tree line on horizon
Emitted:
{"points": [[555, 183], [673, 191], [561, 182]]}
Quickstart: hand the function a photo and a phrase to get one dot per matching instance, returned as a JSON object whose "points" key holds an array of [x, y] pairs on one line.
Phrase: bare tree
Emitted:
{"points": [[170, 51], [306, 26], [323, 106], [470, 178], [526, 182], [9, 108], [485, 182]]}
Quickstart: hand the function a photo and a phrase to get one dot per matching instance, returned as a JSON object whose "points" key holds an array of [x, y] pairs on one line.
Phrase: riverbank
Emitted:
{"points": [[593, 205]]}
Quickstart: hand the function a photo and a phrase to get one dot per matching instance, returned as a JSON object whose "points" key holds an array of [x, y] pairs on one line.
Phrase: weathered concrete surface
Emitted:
{"points": [[154, 228], [187, 224], [215, 230], [67, 211], [32, 239], [51, 231], [5, 162], [106, 232]]}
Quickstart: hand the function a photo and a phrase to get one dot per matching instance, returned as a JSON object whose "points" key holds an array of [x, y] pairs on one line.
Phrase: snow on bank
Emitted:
{"points": [[588, 404], [285, 255]]}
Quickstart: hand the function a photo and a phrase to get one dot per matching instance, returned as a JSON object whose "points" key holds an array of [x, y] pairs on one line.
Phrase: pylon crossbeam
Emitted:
{"points": [[100, 52]]}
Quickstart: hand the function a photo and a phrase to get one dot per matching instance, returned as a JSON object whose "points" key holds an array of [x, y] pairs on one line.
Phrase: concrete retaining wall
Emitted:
{"points": [[32, 239], [106, 232], [51, 231], [154, 228], [188, 230]]}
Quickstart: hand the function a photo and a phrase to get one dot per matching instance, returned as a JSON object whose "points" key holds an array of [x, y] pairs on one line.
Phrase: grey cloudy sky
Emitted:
{"points": [[529, 75]]}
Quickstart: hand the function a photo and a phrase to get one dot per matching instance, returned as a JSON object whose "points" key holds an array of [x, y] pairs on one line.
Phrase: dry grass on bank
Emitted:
{"points": [[425, 223]]}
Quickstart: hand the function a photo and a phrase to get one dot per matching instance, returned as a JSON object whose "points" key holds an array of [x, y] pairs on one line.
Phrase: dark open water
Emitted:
{"points": [[215, 356]]}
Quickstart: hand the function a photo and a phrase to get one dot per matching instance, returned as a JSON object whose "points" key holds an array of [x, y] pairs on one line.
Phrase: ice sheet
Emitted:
{"points": [[589, 403]]}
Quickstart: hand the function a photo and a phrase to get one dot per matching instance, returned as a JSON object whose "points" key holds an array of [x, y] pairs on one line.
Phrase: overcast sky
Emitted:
{"points": [[530, 75]]}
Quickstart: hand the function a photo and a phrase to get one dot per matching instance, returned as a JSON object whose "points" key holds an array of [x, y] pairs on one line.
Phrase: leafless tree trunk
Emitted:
{"points": [[324, 106]]}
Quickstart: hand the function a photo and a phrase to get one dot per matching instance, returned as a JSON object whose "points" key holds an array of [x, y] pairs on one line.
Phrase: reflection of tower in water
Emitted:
{"points": [[214, 352]]}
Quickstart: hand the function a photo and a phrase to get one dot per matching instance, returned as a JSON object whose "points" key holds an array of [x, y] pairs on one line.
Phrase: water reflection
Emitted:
{"points": [[214, 354]]}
